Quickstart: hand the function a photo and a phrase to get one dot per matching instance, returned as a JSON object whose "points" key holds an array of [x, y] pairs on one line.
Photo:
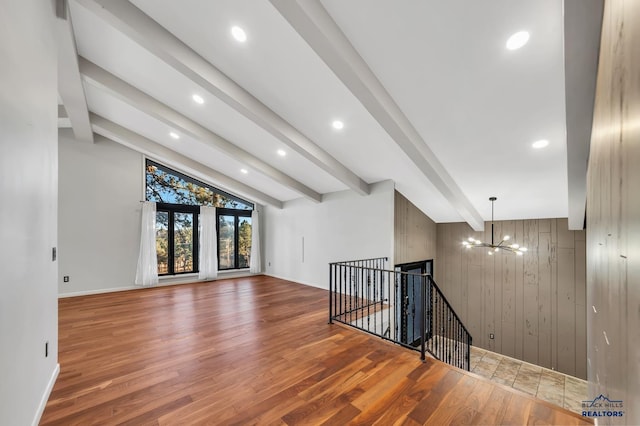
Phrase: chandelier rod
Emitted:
{"points": [[492, 199]]}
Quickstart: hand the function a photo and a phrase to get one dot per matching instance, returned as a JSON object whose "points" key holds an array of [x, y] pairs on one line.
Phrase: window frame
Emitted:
{"points": [[171, 209], [220, 211]]}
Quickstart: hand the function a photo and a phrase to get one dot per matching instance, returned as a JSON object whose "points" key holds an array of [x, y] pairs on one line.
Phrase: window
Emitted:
{"points": [[176, 241], [178, 199], [234, 239], [162, 241]]}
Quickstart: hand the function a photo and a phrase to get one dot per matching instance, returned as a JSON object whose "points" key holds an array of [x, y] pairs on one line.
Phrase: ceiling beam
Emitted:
{"points": [[156, 39], [70, 86], [63, 118], [108, 129], [122, 90], [314, 24], [582, 27]]}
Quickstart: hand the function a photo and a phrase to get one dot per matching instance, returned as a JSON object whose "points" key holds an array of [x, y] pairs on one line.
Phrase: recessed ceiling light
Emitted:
{"points": [[540, 144], [239, 34], [174, 135], [518, 40], [244, 171], [282, 152], [198, 99], [337, 124]]}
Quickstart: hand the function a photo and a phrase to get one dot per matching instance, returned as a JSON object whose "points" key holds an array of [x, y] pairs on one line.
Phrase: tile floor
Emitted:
{"points": [[549, 385]]}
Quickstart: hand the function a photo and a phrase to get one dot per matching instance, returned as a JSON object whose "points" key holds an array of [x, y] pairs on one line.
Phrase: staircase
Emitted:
{"points": [[406, 308]]}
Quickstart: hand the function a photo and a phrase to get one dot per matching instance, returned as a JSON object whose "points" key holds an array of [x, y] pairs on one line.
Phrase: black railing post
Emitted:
{"points": [[331, 269], [469, 340], [429, 309], [423, 300]]}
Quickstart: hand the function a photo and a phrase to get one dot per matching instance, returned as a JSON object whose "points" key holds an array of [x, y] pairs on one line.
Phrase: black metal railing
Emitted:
{"points": [[406, 308]]}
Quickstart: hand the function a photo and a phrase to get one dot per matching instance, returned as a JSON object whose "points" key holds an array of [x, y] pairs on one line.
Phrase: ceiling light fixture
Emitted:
{"points": [[239, 34], [540, 144], [338, 125], [244, 171], [198, 99], [174, 135], [495, 248], [282, 152], [517, 40]]}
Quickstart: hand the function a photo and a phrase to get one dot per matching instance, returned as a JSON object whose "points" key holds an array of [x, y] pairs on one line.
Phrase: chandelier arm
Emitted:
{"points": [[493, 247]]}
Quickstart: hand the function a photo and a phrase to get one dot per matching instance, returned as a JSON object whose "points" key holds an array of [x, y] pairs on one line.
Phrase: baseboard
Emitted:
{"points": [[296, 281], [98, 291], [165, 282], [45, 395]]}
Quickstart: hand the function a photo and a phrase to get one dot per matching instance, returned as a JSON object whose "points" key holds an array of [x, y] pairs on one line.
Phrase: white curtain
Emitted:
{"points": [[147, 273], [208, 256], [255, 263]]}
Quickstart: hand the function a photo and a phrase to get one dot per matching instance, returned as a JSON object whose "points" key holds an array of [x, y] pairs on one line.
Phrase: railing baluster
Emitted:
{"points": [[442, 325], [341, 297], [457, 347], [368, 300], [374, 298], [389, 299], [361, 296], [449, 335], [351, 291], [330, 292], [396, 307], [423, 298]]}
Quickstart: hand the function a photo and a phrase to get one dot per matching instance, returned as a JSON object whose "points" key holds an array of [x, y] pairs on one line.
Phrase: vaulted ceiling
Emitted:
{"points": [[428, 94]]}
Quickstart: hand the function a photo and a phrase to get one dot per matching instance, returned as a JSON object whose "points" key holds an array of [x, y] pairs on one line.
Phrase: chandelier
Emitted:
{"points": [[495, 248]]}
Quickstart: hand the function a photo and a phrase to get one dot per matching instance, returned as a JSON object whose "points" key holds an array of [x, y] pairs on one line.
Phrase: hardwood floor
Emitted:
{"points": [[256, 351]]}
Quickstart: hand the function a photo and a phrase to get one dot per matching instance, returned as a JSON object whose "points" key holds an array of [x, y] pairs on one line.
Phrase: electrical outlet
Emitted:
{"points": [[46, 349], [491, 336], [65, 278]]}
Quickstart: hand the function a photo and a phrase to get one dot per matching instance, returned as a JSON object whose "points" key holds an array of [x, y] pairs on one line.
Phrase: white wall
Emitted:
{"points": [[345, 226], [28, 187], [99, 215]]}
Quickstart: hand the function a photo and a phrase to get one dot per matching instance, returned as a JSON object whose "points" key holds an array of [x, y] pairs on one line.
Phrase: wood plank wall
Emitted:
{"points": [[533, 304], [613, 215], [415, 233]]}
